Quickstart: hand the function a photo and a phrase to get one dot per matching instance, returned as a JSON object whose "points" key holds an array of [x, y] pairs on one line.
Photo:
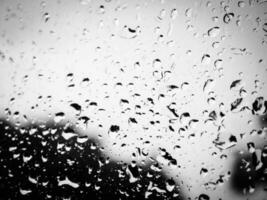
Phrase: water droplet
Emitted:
{"points": [[236, 104], [82, 139], [59, 117], [170, 185], [214, 32], [114, 128], [228, 17], [174, 13], [77, 107], [188, 12], [218, 63], [67, 181], [85, 2], [46, 16], [184, 118], [157, 63], [101, 9], [243, 93], [208, 85], [24, 191], [205, 60], [133, 172], [27, 158], [203, 172], [184, 85], [85, 82], [251, 189], [264, 27], [251, 147], [259, 106], [203, 197], [32, 180], [236, 85], [241, 4], [162, 14], [68, 133]]}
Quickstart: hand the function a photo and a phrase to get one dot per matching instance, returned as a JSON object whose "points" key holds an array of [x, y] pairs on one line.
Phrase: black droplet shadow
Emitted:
{"points": [[96, 179]]}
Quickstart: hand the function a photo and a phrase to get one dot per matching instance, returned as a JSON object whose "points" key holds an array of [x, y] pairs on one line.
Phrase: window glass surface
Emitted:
{"points": [[133, 99]]}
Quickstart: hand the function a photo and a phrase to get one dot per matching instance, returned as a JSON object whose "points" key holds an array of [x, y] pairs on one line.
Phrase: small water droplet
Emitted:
{"points": [[264, 27], [101, 9], [228, 17], [85, 2], [133, 172], [24, 191], [203, 172], [170, 185], [157, 63], [162, 14], [203, 197], [59, 117], [214, 32], [208, 85], [67, 181], [236, 85], [241, 4], [68, 133], [114, 128], [46, 16], [218, 63], [174, 13], [188, 12], [205, 60], [259, 106], [236, 104], [76, 106]]}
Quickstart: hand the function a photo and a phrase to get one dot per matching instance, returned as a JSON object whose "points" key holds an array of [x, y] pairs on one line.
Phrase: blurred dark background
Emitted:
{"points": [[32, 164]]}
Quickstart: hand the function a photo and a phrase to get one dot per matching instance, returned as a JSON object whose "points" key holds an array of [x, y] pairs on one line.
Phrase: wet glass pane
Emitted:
{"points": [[133, 99]]}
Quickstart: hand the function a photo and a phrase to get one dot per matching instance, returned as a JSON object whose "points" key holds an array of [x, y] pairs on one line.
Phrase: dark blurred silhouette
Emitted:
{"points": [[249, 169], [35, 158], [31, 159]]}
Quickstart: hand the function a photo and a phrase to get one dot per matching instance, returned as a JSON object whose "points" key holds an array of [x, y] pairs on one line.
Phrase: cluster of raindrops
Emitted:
{"points": [[169, 88], [48, 161]]}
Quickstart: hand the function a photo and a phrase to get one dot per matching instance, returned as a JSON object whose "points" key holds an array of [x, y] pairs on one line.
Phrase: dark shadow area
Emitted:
{"points": [[241, 178], [250, 169], [34, 160], [249, 172], [263, 120]]}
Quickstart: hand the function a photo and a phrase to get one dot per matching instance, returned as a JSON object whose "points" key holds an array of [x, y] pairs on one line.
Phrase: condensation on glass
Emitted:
{"points": [[132, 99]]}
